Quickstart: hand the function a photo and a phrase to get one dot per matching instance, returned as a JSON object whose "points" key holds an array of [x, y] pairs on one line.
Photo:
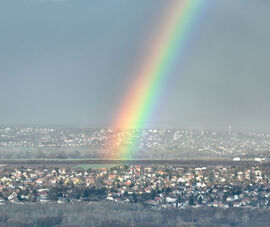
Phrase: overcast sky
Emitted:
{"points": [[69, 62]]}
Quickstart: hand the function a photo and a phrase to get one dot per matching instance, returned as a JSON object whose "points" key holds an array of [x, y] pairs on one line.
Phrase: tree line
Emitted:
{"points": [[105, 214]]}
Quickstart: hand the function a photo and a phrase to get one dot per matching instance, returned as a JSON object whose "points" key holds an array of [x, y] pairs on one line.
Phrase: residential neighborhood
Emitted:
{"points": [[152, 186]]}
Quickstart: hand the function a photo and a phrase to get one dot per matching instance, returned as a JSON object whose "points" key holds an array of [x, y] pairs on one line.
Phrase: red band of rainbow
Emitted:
{"points": [[171, 40]]}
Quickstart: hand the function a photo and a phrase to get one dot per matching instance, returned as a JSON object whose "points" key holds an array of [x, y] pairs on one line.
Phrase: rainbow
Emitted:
{"points": [[144, 92]]}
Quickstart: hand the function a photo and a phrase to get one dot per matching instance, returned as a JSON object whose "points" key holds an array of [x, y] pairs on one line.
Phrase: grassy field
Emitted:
{"points": [[102, 163], [95, 166]]}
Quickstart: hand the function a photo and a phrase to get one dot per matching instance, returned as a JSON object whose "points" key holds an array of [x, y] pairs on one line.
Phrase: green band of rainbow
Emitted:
{"points": [[171, 40]]}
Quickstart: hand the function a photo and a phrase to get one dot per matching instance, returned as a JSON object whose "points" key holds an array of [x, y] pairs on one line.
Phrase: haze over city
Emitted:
{"points": [[72, 62]]}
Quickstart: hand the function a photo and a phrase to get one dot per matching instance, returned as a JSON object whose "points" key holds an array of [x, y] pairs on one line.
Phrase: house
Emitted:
{"points": [[171, 200]]}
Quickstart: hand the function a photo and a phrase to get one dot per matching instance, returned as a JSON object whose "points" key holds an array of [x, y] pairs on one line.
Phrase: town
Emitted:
{"points": [[55, 142], [153, 186]]}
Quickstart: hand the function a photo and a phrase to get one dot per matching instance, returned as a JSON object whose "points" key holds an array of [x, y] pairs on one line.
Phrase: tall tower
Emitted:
{"points": [[230, 130]]}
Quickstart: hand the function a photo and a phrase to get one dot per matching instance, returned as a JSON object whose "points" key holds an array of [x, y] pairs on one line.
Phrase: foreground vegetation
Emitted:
{"points": [[115, 214]]}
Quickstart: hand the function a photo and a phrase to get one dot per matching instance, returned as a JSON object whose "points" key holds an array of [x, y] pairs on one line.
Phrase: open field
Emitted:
{"points": [[95, 163], [95, 166]]}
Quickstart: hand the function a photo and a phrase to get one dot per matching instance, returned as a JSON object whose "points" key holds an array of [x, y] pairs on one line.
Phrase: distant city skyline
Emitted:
{"points": [[71, 62]]}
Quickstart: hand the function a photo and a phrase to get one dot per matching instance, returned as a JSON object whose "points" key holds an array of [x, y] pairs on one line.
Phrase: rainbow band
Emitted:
{"points": [[158, 64]]}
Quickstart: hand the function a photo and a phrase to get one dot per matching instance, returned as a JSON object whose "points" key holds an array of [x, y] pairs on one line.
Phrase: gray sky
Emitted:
{"points": [[69, 62]]}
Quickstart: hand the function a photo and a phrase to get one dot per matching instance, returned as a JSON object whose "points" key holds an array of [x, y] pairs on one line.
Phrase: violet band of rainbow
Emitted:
{"points": [[139, 102]]}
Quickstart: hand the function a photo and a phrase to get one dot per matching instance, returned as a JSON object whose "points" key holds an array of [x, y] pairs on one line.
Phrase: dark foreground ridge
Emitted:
{"points": [[109, 214]]}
